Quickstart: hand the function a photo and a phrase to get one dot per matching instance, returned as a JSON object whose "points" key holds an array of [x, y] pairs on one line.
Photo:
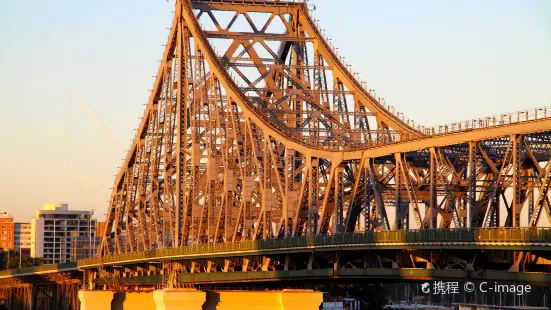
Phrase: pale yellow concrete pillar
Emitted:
{"points": [[264, 300], [248, 300], [179, 299], [139, 301], [95, 300], [301, 300]]}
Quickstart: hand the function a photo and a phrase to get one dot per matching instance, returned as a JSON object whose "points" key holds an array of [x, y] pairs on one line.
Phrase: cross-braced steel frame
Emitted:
{"points": [[256, 129]]}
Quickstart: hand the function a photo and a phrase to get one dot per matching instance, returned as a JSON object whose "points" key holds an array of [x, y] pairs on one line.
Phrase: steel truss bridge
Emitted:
{"points": [[261, 150]]}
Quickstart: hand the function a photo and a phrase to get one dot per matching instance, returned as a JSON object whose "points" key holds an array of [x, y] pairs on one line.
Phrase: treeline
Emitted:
{"points": [[9, 259]]}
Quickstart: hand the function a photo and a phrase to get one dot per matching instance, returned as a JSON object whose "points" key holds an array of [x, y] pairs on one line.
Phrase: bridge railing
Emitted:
{"points": [[38, 269], [490, 121], [511, 236], [359, 139]]}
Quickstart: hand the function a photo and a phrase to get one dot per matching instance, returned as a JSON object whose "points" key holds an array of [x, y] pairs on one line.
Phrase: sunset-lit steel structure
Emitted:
{"points": [[264, 132]]}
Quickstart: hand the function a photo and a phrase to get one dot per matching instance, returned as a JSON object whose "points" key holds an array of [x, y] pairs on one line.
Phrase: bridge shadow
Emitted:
{"points": [[213, 298]]}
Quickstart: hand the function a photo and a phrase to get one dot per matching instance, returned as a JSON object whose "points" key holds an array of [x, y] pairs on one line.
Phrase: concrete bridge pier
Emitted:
{"points": [[95, 300], [129, 301], [182, 299], [301, 300], [190, 299], [265, 300], [157, 300]]}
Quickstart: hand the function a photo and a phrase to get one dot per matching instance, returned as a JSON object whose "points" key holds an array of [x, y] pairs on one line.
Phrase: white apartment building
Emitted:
{"points": [[23, 236], [52, 230]]}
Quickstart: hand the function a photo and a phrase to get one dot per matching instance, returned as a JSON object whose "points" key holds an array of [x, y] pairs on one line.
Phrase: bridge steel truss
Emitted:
{"points": [[255, 129], [55, 290]]}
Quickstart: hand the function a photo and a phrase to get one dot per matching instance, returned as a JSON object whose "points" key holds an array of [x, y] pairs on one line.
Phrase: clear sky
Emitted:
{"points": [[437, 61]]}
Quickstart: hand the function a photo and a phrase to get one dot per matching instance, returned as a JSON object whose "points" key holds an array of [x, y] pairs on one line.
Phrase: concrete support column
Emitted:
{"points": [[301, 300], [265, 300], [245, 300], [179, 299], [141, 301], [95, 300]]}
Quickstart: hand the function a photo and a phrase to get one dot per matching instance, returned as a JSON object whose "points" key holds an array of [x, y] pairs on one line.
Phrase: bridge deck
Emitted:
{"points": [[453, 138], [38, 270], [526, 239], [365, 274]]}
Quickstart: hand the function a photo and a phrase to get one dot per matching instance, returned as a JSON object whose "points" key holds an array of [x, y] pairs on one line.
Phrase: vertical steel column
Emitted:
{"points": [[530, 205], [381, 216], [339, 196], [290, 201], [398, 220], [471, 194], [197, 152], [368, 217], [188, 88], [313, 197], [267, 192], [516, 207], [433, 210], [180, 132]]}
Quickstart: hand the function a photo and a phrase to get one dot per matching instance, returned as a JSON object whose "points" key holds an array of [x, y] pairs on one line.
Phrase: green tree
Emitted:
{"points": [[14, 260], [31, 261]]}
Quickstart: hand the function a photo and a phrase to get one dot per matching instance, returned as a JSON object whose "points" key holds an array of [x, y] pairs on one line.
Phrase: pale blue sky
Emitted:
{"points": [[437, 61]]}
